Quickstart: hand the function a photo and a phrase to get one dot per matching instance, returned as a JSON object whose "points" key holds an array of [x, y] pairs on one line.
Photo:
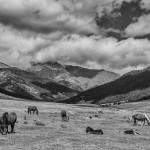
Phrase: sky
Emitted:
{"points": [[102, 34]]}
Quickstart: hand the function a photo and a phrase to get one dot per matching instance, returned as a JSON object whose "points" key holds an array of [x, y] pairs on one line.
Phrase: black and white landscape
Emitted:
{"points": [[83, 67]]}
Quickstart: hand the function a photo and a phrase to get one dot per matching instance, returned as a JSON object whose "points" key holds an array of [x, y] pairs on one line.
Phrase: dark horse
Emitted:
{"points": [[33, 109], [64, 115], [2, 126], [9, 119], [92, 131]]}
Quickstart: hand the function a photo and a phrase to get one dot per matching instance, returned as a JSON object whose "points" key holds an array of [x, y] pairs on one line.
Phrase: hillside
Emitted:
{"points": [[78, 71], [101, 78], [50, 81], [74, 77], [2, 65], [22, 84], [55, 71], [133, 86]]}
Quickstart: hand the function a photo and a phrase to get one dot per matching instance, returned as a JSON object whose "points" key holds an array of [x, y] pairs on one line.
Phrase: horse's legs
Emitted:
{"points": [[28, 111], [6, 128], [12, 127], [1, 129], [143, 122], [134, 121], [37, 112]]}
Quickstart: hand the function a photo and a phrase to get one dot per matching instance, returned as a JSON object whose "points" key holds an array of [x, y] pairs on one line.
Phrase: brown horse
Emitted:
{"points": [[140, 117], [9, 119], [64, 115], [33, 109]]}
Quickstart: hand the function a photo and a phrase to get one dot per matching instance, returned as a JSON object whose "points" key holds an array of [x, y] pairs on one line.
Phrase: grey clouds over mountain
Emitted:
{"points": [[95, 34]]}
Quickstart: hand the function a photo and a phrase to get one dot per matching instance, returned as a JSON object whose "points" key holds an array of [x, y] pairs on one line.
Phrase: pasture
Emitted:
{"points": [[57, 135]]}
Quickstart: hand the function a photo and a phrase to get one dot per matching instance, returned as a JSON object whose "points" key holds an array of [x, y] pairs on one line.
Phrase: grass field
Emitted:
{"points": [[58, 135]]}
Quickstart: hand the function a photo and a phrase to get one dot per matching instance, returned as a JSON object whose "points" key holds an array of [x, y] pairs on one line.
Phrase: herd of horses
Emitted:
{"points": [[9, 119]]}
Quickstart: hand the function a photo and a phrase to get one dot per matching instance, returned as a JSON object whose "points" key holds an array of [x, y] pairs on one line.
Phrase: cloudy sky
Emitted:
{"points": [[113, 35]]}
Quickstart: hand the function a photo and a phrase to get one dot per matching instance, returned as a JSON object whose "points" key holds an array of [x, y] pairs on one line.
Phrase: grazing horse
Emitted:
{"points": [[9, 119], [140, 117], [33, 109], [64, 115], [92, 131]]}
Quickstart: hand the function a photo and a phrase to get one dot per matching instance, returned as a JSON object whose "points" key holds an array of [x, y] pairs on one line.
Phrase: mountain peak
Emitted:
{"points": [[49, 63]]}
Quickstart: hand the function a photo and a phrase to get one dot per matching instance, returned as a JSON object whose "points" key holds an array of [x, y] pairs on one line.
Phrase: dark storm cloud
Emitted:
{"points": [[120, 16]]}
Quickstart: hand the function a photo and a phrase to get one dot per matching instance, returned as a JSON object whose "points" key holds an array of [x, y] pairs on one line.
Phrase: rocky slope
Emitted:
{"points": [[50, 81], [74, 77], [23, 84], [133, 86]]}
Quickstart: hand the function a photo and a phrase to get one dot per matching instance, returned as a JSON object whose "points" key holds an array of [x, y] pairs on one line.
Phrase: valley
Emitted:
{"points": [[71, 135]]}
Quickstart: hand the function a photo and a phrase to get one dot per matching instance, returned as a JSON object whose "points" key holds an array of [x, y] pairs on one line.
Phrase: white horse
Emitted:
{"points": [[140, 117]]}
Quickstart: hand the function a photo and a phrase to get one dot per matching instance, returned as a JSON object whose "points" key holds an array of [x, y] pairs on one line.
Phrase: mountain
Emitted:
{"points": [[54, 71], [2, 65], [101, 78], [49, 81], [23, 84], [78, 71], [133, 86], [74, 77]]}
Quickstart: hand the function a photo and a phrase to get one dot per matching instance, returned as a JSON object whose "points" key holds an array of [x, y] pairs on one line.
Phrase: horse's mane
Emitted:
{"points": [[4, 114]]}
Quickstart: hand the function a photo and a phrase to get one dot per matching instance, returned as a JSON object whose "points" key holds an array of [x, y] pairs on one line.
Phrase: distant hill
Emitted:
{"points": [[23, 84], [78, 71], [56, 72], [133, 86], [74, 77], [50, 81]]}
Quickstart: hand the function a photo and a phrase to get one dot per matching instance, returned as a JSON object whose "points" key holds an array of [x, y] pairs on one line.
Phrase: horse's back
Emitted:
{"points": [[32, 107], [12, 117], [139, 116]]}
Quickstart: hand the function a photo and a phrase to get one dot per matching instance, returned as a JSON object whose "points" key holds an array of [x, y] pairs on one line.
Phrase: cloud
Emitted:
{"points": [[46, 16], [139, 28], [121, 17], [66, 31], [15, 46], [99, 51]]}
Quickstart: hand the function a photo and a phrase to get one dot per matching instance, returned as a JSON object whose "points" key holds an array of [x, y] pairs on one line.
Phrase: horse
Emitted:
{"points": [[33, 109], [92, 131], [9, 119], [131, 131], [2, 126], [140, 117], [64, 115]]}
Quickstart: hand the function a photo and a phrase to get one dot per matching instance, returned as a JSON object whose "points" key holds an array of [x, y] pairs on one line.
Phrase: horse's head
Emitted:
{"points": [[5, 116], [147, 119], [130, 118]]}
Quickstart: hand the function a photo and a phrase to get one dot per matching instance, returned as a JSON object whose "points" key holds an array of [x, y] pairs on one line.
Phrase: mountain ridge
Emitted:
{"points": [[132, 86], [75, 77]]}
